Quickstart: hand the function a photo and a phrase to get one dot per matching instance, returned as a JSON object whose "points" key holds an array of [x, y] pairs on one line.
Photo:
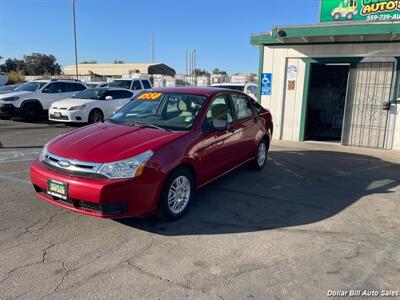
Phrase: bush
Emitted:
{"points": [[15, 77]]}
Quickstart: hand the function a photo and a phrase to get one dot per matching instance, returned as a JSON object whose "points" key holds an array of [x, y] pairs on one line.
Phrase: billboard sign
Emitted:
{"points": [[360, 10]]}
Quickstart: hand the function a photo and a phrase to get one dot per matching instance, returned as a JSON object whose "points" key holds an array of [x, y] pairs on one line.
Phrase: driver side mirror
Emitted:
{"points": [[46, 90], [109, 97], [220, 125]]}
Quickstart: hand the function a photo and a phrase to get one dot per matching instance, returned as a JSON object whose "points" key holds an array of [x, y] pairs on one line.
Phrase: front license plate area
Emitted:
{"points": [[57, 189], [57, 114]]}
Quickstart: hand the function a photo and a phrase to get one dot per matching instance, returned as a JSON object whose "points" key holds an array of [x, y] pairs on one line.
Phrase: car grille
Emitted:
{"points": [[71, 166], [72, 202], [59, 117]]}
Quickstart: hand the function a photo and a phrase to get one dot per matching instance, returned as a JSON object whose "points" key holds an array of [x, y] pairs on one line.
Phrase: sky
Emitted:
{"points": [[109, 30]]}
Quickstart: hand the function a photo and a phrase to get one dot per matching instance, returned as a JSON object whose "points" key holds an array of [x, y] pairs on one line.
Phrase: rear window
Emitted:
{"points": [[146, 84], [126, 84], [233, 87]]}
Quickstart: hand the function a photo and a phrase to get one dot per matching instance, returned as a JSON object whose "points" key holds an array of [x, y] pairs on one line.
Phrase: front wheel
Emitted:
{"points": [[31, 111], [95, 116], [176, 195], [349, 16], [261, 156]]}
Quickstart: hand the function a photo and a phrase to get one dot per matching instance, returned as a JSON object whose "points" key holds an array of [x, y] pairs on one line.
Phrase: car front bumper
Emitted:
{"points": [[76, 116], [105, 198], [8, 109]]}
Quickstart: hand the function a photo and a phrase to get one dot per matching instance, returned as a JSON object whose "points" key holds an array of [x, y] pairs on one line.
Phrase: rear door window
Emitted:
{"points": [[56, 87]]}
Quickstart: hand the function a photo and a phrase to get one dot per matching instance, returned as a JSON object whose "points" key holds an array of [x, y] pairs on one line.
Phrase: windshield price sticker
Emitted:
{"points": [[149, 96]]}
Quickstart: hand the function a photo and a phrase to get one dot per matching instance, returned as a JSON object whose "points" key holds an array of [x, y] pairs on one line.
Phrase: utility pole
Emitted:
{"points": [[194, 68], [76, 48], [153, 50]]}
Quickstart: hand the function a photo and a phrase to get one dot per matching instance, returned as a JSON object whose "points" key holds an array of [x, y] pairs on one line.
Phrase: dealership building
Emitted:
{"points": [[336, 81]]}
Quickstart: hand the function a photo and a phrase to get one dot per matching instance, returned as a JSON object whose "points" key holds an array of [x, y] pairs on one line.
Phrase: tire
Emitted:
{"points": [[261, 156], [178, 204], [336, 17], [349, 16], [31, 111], [96, 115]]}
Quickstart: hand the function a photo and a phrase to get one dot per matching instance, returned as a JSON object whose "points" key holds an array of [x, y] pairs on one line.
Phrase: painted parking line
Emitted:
{"points": [[14, 179], [18, 156]]}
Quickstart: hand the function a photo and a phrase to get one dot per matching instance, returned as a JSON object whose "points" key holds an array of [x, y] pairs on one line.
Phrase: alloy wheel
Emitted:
{"points": [[179, 194]]}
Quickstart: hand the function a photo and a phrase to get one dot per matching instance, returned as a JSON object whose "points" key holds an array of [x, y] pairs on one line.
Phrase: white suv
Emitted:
{"points": [[249, 88], [33, 98], [134, 84]]}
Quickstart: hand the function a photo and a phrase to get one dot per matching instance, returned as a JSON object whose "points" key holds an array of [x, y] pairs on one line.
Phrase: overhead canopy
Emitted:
{"points": [[330, 33], [161, 69]]}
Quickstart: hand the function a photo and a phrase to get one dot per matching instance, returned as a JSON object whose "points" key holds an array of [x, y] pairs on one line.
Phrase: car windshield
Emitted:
{"points": [[8, 88], [30, 86], [233, 87], [126, 84], [172, 111], [95, 94]]}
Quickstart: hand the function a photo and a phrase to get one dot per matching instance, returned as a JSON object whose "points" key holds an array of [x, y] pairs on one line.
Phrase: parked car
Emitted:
{"points": [[250, 88], [33, 98], [153, 154], [89, 106], [9, 88], [134, 84]]}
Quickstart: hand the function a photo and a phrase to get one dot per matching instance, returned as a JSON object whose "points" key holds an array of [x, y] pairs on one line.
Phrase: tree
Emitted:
{"points": [[218, 71], [39, 64], [199, 72], [33, 64], [88, 62]]}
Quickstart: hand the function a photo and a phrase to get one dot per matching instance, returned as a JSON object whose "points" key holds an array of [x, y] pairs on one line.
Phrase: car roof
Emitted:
{"points": [[108, 89], [201, 91], [57, 80], [229, 84], [130, 79]]}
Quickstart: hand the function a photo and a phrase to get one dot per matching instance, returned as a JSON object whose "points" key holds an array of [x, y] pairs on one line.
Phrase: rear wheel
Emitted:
{"points": [[261, 156], [96, 116], [176, 195], [31, 111], [349, 16]]}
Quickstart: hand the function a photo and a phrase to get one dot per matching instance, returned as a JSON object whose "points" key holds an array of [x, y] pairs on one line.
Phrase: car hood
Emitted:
{"points": [[107, 142], [13, 94], [68, 102]]}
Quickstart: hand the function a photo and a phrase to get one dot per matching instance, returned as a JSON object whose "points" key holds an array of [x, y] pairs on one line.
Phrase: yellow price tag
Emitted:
{"points": [[149, 96]]}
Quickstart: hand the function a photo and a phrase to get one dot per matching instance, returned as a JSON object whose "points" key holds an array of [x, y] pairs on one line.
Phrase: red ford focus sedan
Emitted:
{"points": [[152, 154]]}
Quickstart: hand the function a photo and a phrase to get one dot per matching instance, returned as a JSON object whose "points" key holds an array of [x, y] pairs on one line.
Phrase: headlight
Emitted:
{"points": [[128, 168], [81, 107], [10, 99], [42, 155]]}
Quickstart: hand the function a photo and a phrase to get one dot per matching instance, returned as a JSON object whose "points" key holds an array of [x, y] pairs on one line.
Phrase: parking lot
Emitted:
{"points": [[319, 217]]}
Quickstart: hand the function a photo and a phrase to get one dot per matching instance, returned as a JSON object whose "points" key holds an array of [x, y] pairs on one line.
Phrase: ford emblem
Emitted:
{"points": [[64, 163]]}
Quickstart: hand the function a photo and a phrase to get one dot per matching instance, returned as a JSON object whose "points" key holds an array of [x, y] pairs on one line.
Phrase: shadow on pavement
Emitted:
{"points": [[295, 188]]}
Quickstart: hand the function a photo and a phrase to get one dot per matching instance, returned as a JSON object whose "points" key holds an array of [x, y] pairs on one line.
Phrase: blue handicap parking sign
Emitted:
{"points": [[266, 84]]}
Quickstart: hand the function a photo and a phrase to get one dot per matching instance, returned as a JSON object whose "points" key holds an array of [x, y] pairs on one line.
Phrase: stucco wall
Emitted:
{"points": [[286, 105]]}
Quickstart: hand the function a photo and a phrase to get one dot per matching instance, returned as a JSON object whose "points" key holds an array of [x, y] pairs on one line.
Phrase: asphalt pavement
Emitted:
{"points": [[318, 218]]}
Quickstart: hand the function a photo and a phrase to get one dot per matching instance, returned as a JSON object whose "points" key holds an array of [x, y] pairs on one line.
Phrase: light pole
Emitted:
{"points": [[76, 48]]}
